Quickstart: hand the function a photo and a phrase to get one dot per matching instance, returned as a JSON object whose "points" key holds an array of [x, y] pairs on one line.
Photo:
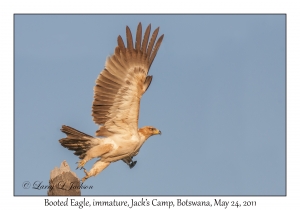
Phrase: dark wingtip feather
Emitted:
{"points": [[146, 38], [121, 44], [152, 41], [129, 38], [138, 37], [155, 49]]}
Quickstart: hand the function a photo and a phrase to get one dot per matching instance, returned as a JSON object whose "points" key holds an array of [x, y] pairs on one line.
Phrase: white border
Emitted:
{"points": [[8, 8]]}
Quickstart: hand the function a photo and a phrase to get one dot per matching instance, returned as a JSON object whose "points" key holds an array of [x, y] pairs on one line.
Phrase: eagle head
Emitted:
{"points": [[148, 131]]}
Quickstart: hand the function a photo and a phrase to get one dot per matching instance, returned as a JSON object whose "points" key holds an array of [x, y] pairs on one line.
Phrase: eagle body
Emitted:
{"points": [[117, 94]]}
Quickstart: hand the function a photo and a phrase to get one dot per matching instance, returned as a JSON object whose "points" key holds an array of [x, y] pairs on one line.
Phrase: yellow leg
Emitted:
{"points": [[96, 169]]}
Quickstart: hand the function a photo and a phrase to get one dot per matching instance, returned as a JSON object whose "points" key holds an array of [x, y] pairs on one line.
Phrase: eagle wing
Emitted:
{"points": [[121, 84]]}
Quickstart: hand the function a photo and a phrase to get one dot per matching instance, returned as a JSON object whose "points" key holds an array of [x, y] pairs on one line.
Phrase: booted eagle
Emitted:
{"points": [[116, 105]]}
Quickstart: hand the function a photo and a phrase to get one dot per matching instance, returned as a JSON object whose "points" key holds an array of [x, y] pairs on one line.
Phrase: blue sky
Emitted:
{"points": [[217, 95]]}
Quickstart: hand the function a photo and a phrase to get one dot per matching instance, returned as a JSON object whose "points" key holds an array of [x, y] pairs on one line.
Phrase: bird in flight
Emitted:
{"points": [[116, 105]]}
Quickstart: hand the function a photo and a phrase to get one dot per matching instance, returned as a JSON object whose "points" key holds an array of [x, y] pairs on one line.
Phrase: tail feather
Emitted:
{"points": [[76, 141], [72, 131]]}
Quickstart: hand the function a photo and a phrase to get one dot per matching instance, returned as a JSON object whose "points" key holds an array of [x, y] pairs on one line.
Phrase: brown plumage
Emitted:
{"points": [[117, 95]]}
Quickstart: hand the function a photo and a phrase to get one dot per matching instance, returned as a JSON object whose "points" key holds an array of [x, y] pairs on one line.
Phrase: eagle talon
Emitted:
{"points": [[132, 164], [83, 179], [81, 164], [86, 175]]}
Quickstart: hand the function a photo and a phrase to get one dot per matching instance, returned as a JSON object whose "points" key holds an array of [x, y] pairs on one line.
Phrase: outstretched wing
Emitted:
{"points": [[121, 84]]}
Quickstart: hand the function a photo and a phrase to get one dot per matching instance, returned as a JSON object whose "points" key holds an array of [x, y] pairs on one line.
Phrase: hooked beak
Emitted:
{"points": [[156, 131]]}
